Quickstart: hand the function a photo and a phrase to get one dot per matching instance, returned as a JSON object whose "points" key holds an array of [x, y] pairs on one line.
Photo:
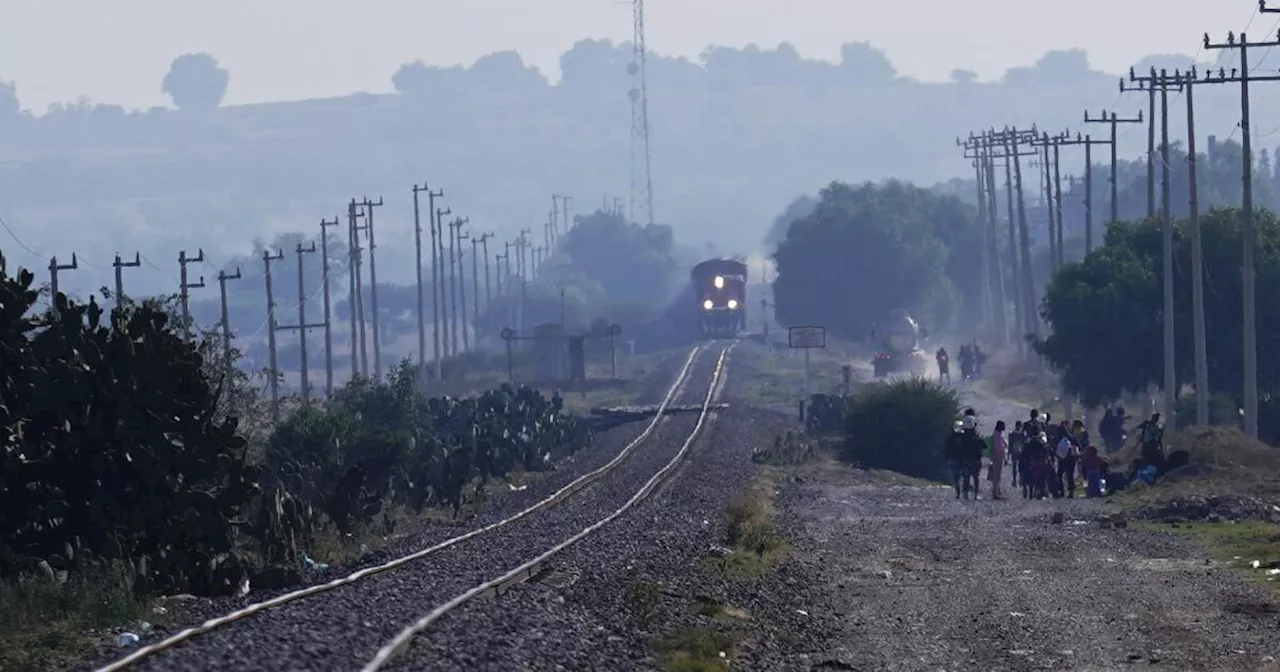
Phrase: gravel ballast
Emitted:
{"points": [[342, 629]]}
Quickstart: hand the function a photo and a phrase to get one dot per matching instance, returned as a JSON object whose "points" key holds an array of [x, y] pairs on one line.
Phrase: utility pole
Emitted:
{"points": [[497, 275], [1046, 143], [223, 277], [488, 291], [417, 248], [302, 325], [373, 288], [475, 275], [267, 258], [555, 217], [328, 313], [1162, 83], [54, 267], [1113, 121], [1152, 84], [1199, 334], [1088, 142], [993, 282], [119, 266], [462, 290], [455, 231], [564, 212], [184, 295], [437, 279], [1012, 140], [1244, 77], [522, 269], [356, 288]]}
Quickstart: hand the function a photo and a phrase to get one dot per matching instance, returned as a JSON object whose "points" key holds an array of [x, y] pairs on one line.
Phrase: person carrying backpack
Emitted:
{"points": [[1067, 454], [954, 453], [1016, 440]]}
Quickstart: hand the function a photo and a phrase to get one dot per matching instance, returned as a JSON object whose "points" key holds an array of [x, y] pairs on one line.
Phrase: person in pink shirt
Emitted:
{"points": [[999, 451]]}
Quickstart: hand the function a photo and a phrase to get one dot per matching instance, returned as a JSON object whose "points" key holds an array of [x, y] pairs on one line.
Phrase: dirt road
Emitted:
{"points": [[908, 578]]}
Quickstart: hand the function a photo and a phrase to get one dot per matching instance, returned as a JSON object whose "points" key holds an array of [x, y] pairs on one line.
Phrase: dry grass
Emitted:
{"points": [[1223, 461]]}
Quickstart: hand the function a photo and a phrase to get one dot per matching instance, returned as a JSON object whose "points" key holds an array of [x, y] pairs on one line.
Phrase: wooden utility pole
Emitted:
{"points": [[119, 266], [302, 326], [439, 333], [497, 276], [462, 289], [1049, 155], [1088, 142], [328, 312], [1112, 120], [488, 290], [54, 267], [977, 148], [455, 231], [522, 270], [555, 217], [356, 300], [1161, 83], [267, 258], [475, 274], [1244, 77], [184, 287], [1199, 334], [1012, 142], [564, 212], [417, 250], [373, 287], [223, 277]]}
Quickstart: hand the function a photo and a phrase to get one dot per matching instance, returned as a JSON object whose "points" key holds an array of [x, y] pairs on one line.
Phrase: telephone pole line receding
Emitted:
{"points": [[417, 247], [302, 326], [1113, 121], [1199, 335], [184, 295], [992, 273], [1160, 82], [462, 287], [223, 277], [439, 301], [328, 312], [1088, 142], [119, 266], [373, 288], [356, 304], [1248, 234], [267, 258], [641, 182]]}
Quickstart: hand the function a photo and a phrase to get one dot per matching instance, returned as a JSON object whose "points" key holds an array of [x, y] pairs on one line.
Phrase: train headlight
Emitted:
{"points": [[719, 282], [708, 305], [733, 304]]}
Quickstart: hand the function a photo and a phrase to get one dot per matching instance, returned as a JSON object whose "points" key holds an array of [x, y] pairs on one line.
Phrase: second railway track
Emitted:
{"points": [[342, 625]]}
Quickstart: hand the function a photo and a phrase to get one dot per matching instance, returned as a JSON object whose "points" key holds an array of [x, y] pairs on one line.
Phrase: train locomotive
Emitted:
{"points": [[720, 289]]}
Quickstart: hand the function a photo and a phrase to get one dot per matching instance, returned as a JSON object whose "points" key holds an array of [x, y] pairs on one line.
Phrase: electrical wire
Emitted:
{"points": [[18, 240]]}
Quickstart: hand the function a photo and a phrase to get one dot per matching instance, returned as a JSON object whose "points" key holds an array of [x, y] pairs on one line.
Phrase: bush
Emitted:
{"points": [[901, 426], [825, 413]]}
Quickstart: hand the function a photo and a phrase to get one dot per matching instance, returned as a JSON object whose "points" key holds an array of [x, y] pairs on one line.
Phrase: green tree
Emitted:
{"points": [[632, 263], [866, 250], [1106, 312], [195, 82]]}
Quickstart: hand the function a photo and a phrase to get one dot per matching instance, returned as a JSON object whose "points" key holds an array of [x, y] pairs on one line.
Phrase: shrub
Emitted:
{"points": [[901, 426], [825, 413]]}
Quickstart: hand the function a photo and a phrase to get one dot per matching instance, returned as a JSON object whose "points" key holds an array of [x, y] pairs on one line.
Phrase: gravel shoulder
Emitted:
{"points": [[909, 578]]}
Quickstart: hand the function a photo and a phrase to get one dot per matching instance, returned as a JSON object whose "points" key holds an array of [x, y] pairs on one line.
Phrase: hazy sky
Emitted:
{"points": [[117, 51]]}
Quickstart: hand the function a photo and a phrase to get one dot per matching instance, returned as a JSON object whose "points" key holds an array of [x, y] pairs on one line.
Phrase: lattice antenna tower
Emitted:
{"points": [[641, 203]]}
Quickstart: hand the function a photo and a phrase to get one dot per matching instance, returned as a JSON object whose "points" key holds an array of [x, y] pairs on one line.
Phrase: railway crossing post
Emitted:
{"points": [[806, 338]]}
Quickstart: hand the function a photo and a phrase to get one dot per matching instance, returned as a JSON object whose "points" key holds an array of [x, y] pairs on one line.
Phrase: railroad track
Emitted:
{"points": [[241, 645]]}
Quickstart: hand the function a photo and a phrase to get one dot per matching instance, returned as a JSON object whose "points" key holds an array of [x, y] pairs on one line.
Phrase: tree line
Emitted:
{"points": [[128, 444]]}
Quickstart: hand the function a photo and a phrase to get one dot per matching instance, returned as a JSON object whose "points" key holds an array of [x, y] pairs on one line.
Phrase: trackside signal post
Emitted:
{"points": [[806, 338]]}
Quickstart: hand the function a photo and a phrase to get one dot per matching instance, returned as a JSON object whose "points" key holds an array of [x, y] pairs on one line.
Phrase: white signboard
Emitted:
{"points": [[807, 337]]}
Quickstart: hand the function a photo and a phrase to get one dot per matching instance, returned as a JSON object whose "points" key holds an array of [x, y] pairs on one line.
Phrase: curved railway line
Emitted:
{"points": [[347, 618]]}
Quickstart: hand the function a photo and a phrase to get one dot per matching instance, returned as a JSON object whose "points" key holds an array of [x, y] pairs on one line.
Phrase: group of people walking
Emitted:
{"points": [[971, 360], [1046, 460]]}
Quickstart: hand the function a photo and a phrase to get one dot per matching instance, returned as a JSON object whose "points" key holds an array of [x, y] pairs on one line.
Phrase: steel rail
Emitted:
{"points": [[552, 499], [401, 642]]}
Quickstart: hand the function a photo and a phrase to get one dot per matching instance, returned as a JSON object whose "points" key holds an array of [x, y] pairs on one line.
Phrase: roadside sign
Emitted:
{"points": [[807, 337]]}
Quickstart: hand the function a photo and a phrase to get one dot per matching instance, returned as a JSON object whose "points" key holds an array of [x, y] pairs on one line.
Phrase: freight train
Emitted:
{"points": [[720, 288]]}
